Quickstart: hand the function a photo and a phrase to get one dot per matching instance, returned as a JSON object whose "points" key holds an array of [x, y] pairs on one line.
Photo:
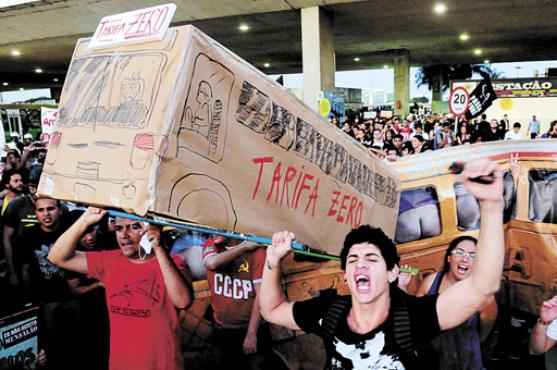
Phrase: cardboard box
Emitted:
{"points": [[187, 129]]}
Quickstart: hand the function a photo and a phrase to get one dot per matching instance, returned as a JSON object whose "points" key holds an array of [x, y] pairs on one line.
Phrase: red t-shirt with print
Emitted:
{"points": [[144, 323], [233, 286]]}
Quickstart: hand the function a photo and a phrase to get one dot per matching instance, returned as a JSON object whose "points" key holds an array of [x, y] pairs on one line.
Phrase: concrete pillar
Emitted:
{"points": [[402, 83], [437, 93], [55, 93], [318, 54]]}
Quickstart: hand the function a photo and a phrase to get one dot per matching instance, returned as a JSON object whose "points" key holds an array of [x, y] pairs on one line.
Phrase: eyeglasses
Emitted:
{"points": [[462, 253]]}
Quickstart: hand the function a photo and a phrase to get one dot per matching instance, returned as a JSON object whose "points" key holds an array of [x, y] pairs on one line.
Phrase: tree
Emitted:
{"points": [[438, 77]]}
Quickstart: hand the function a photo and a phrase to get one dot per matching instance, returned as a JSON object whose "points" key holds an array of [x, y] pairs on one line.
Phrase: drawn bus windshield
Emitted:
{"points": [[116, 90]]}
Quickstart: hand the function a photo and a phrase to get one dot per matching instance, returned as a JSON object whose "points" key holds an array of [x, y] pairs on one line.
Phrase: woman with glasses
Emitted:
{"points": [[459, 348]]}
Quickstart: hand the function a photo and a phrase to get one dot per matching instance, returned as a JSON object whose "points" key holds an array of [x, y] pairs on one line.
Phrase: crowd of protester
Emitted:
{"points": [[60, 256], [395, 137]]}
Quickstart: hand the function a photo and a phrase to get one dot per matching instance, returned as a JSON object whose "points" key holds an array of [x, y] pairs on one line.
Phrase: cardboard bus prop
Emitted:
{"points": [[184, 128]]}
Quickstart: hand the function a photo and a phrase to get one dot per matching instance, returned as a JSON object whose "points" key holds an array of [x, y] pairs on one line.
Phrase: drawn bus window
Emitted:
{"points": [[418, 215], [203, 124], [543, 195], [89, 100], [468, 208]]}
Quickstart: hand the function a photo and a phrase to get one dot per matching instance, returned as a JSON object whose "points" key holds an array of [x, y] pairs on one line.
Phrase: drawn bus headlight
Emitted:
{"points": [[143, 147]]}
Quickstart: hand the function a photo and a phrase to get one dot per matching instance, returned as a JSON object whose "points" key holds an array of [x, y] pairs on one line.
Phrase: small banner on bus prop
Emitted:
{"points": [[182, 127]]}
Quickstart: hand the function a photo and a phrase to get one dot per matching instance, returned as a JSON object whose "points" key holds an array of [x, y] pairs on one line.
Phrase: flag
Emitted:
{"points": [[481, 98]]}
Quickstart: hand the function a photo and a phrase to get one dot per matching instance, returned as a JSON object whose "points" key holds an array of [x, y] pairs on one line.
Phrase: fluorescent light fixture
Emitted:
{"points": [[15, 53], [487, 61], [439, 8], [357, 59], [38, 70], [55, 79], [243, 27], [267, 65], [478, 52], [464, 36], [5, 84]]}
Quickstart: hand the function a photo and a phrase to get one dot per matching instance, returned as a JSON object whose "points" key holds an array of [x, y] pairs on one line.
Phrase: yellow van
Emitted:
{"points": [[530, 215], [434, 210]]}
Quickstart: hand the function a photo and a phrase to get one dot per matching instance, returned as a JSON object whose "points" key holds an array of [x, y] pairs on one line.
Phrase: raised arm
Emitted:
{"points": [[540, 342], [217, 260], [179, 291], [274, 306], [426, 284], [63, 253], [461, 300]]}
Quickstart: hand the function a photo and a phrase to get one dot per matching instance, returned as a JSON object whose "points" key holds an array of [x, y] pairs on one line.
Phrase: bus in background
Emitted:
{"points": [[435, 209], [427, 224]]}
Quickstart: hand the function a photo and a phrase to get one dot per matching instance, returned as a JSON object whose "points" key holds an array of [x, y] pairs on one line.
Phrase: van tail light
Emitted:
{"points": [[55, 138], [144, 142]]}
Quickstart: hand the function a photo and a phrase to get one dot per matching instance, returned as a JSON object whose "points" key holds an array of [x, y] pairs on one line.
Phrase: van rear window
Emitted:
{"points": [[418, 216], [468, 208], [543, 196]]}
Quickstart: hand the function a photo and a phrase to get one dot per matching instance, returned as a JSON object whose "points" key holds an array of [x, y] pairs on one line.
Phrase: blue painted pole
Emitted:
{"points": [[297, 247]]}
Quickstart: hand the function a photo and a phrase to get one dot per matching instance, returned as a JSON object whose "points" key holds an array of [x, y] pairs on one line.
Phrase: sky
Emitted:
{"points": [[382, 79]]}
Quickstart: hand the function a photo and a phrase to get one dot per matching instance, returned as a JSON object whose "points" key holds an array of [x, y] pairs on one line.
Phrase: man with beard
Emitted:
{"points": [[17, 214], [12, 182]]}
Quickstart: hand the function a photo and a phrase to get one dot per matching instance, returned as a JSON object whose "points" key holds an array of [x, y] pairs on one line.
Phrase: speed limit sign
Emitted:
{"points": [[458, 101]]}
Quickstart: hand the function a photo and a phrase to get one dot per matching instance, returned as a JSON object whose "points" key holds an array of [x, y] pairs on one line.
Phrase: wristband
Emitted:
{"points": [[269, 266], [544, 323]]}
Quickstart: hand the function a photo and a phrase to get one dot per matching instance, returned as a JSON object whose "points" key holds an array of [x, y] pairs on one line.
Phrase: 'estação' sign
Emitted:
{"points": [[525, 88]]}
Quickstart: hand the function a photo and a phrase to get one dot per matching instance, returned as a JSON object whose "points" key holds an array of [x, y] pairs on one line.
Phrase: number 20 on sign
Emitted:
{"points": [[458, 101]]}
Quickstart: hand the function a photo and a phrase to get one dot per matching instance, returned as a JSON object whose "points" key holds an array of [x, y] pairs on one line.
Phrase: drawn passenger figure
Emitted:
{"points": [[131, 111], [202, 127], [198, 119]]}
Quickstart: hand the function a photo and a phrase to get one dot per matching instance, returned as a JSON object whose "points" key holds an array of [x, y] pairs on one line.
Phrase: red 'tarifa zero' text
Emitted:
{"points": [[346, 209], [289, 186]]}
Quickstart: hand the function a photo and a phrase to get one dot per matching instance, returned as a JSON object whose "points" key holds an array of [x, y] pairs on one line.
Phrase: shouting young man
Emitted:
{"points": [[378, 326]]}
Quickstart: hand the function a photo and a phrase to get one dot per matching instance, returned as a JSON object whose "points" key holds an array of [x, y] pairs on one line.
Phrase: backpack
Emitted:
{"points": [[339, 308]]}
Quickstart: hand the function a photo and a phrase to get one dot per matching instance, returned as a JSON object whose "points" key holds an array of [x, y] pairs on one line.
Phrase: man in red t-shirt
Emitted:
{"points": [[234, 271], [143, 292]]}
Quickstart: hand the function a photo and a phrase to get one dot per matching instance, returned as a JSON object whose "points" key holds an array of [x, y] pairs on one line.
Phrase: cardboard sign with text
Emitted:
{"points": [[48, 123], [183, 127], [19, 340]]}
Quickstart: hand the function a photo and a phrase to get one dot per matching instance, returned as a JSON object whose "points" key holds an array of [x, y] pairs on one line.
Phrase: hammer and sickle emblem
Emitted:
{"points": [[244, 267]]}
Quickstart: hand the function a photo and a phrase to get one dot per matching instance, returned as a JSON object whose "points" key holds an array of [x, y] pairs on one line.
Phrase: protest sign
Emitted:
{"points": [[48, 123], [19, 340], [184, 128]]}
